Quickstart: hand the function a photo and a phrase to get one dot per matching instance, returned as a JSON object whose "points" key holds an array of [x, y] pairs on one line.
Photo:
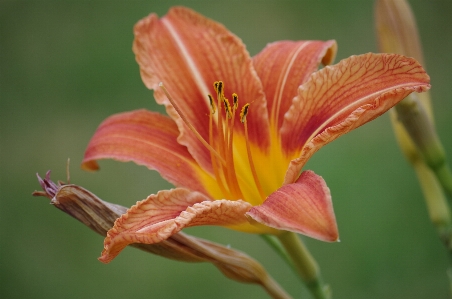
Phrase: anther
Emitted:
{"points": [[235, 100], [212, 104], [244, 112], [227, 108], [219, 88]]}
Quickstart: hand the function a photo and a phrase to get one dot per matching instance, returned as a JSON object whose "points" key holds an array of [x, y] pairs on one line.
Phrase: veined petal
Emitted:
{"points": [[283, 66], [149, 139], [340, 98], [188, 53], [162, 215], [303, 207]]}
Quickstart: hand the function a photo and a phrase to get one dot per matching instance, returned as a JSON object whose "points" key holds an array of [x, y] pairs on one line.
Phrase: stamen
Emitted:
{"points": [[212, 104], [218, 85], [235, 101], [189, 125], [219, 89], [225, 138], [243, 115], [227, 108], [235, 187], [220, 143], [219, 178], [222, 139], [244, 112]]}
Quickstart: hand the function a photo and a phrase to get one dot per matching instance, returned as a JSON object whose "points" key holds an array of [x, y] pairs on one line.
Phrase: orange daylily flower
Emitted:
{"points": [[236, 157]]}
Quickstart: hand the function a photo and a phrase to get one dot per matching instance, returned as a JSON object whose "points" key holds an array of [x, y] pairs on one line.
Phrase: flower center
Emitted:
{"points": [[221, 143]]}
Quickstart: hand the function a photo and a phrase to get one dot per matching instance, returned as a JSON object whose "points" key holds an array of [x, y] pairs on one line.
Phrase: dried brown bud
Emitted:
{"points": [[100, 216]]}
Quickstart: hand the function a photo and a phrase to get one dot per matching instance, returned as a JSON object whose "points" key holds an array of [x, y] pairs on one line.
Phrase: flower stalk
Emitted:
{"points": [[276, 245], [420, 128], [305, 265], [413, 122], [412, 118]]}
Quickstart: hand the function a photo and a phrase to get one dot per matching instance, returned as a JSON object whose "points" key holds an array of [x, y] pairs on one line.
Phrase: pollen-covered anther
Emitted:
{"points": [[219, 89], [213, 108], [235, 100], [227, 108], [244, 112]]}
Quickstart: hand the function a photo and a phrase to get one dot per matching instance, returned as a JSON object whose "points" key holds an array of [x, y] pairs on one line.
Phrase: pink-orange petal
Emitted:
{"points": [[345, 96], [283, 66], [188, 53], [162, 215], [303, 207], [146, 138]]}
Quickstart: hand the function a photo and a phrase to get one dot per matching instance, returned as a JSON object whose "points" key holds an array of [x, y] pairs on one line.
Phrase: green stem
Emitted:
{"points": [[278, 248], [305, 265], [437, 206], [444, 176], [423, 133]]}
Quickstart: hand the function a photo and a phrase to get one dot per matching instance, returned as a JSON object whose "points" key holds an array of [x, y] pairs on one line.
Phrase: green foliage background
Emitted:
{"points": [[67, 65]]}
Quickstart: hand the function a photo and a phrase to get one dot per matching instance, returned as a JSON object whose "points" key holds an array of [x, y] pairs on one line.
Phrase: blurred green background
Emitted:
{"points": [[67, 65]]}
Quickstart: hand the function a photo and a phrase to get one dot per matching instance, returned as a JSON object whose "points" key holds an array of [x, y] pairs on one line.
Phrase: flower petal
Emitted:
{"points": [[340, 98], [303, 207], [283, 66], [188, 53], [149, 139], [162, 215]]}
